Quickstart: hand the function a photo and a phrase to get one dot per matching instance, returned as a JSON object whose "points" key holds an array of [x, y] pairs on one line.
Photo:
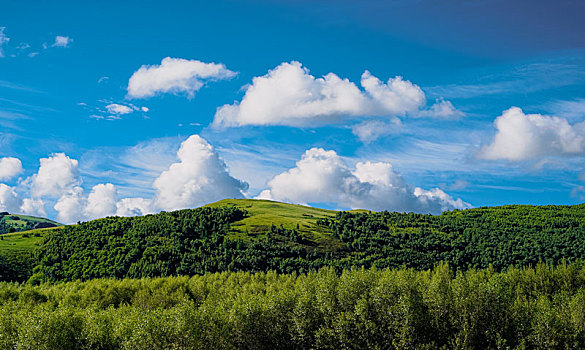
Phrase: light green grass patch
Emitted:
{"points": [[264, 213], [23, 241]]}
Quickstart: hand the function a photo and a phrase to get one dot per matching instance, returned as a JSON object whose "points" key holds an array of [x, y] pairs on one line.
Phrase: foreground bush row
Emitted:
{"points": [[540, 308]]}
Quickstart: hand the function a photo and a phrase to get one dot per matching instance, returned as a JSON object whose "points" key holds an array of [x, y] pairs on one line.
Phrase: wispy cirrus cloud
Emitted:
{"points": [[519, 79], [4, 39], [112, 111], [10, 85], [569, 109], [371, 130]]}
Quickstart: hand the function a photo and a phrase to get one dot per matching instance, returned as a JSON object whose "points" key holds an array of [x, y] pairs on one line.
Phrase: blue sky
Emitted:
{"points": [[444, 136]]}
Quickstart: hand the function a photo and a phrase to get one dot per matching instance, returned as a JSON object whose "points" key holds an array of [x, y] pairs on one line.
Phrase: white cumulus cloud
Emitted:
{"points": [[436, 196], [134, 207], [9, 199], [57, 174], [70, 206], [62, 41], [9, 168], [175, 75], [199, 177], [289, 95], [33, 206], [523, 136], [323, 177], [101, 201]]}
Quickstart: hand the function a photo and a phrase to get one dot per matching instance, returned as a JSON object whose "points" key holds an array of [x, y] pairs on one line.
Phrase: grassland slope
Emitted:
{"points": [[15, 223]]}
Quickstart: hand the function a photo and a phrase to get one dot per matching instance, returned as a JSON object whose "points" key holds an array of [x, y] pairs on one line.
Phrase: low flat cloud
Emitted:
{"points": [[176, 76], [116, 108]]}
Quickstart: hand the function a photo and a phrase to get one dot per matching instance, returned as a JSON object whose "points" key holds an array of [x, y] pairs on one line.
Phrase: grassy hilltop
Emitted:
{"points": [[262, 214]]}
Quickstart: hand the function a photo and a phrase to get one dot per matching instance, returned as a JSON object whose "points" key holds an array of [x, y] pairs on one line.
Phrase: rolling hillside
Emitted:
{"points": [[258, 235], [15, 223], [16, 249], [262, 214]]}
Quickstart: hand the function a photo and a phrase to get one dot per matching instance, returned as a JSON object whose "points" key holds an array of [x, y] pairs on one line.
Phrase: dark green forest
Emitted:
{"points": [[198, 241], [476, 238]]}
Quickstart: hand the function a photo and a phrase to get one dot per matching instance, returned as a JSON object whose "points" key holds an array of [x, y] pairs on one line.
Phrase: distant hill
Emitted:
{"points": [[15, 223], [259, 235]]}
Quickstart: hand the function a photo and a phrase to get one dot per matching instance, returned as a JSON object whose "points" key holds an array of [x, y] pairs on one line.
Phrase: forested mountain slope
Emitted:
{"points": [[251, 235]]}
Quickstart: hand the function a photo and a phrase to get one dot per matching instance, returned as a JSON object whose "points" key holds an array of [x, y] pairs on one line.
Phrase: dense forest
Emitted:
{"points": [[528, 308], [198, 241], [476, 238]]}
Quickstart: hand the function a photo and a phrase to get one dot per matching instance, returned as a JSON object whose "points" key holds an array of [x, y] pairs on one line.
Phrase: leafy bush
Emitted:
{"points": [[536, 308]]}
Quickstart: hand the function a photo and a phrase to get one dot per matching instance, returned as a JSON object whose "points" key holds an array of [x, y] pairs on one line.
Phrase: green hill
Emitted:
{"points": [[258, 235], [15, 223], [20, 235], [262, 214]]}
